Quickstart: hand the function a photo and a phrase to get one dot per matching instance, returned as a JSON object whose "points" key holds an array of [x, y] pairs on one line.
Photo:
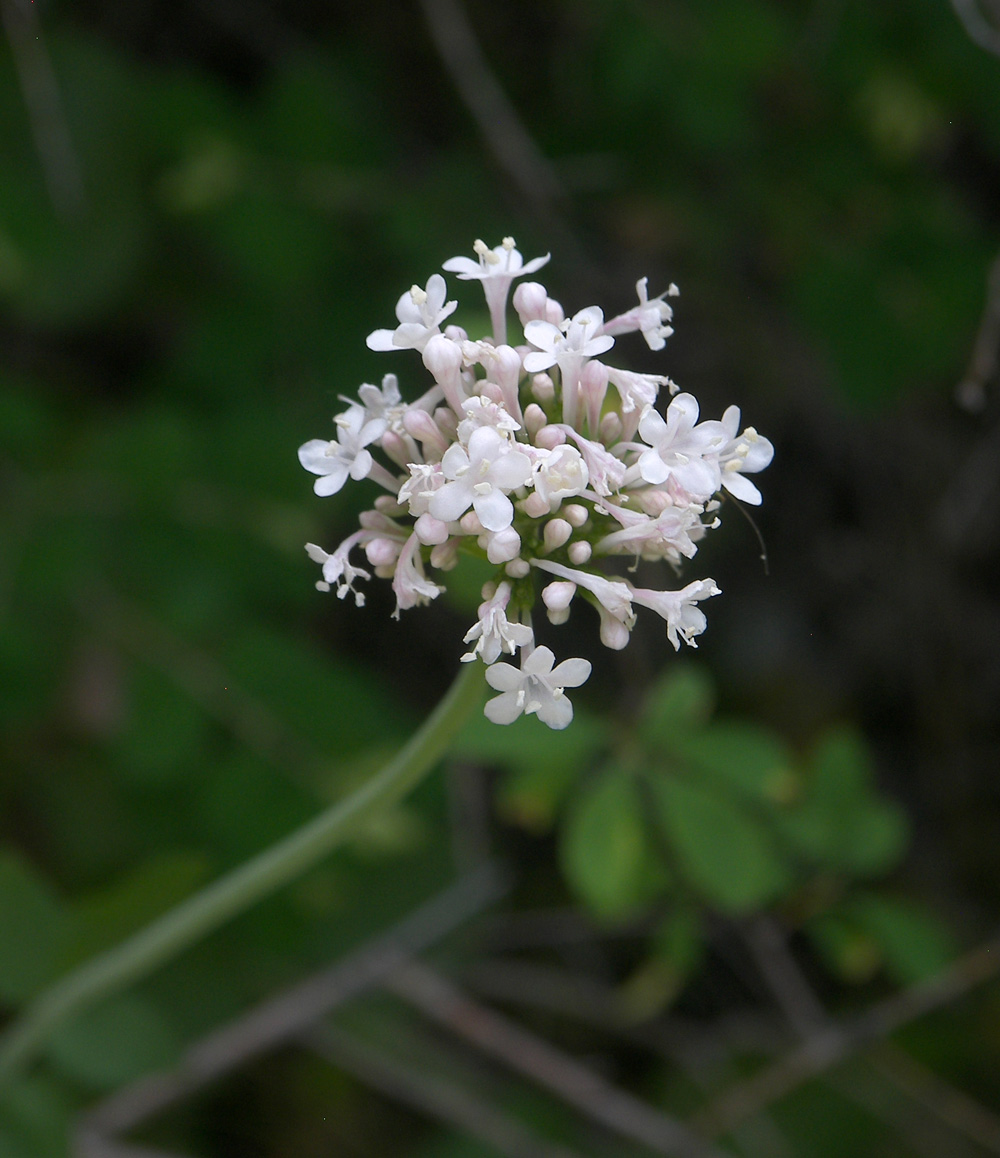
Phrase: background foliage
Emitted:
{"points": [[203, 211]]}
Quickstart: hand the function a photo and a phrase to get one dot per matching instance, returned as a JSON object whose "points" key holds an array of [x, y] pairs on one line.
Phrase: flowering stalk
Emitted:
{"points": [[236, 892], [539, 458]]}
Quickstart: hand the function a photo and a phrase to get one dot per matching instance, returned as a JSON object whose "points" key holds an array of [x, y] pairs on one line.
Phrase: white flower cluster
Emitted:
{"points": [[540, 458]]}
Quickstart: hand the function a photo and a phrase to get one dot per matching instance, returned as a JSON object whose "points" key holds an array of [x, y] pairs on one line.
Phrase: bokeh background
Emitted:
{"points": [[205, 207]]}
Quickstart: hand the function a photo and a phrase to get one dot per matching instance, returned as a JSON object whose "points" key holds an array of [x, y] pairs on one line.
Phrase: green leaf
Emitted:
{"points": [[914, 943], [114, 1043], [724, 853], [603, 847], [842, 823], [34, 927], [677, 704], [38, 1112], [751, 758]]}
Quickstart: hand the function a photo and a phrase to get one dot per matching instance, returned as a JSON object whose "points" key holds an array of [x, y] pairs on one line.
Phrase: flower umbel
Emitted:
{"points": [[521, 455]]}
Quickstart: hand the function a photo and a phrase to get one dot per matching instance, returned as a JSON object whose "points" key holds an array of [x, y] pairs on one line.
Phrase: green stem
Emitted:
{"points": [[236, 892]]}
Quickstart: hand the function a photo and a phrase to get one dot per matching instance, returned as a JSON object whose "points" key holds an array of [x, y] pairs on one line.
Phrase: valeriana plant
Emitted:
{"points": [[543, 459]]}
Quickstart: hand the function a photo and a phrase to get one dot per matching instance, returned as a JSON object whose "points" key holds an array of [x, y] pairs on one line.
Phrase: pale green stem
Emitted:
{"points": [[236, 892]]}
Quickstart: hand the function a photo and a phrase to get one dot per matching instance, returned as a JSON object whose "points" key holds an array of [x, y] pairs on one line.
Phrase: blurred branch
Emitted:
{"points": [[829, 1047], [788, 985], [434, 1098], [952, 1106], [980, 30], [971, 391], [292, 1012], [494, 113], [552, 1069], [44, 106]]}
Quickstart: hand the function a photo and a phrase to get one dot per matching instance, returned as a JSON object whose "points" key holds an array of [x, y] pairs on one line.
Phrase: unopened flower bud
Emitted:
{"points": [[579, 552], [530, 299], [518, 568], [503, 546], [534, 506], [556, 533], [444, 556], [420, 425], [557, 597], [382, 552], [575, 514], [549, 437], [534, 419], [543, 388], [611, 428], [429, 530], [395, 447], [470, 523]]}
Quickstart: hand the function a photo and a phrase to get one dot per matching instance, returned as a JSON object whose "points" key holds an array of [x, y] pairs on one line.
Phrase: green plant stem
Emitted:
{"points": [[236, 892]]}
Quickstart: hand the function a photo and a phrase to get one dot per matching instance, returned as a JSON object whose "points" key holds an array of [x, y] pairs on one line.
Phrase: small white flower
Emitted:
{"points": [[337, 570], [410, 584], [637, 391], [559, 473], [652, 318], [335, 461], [567, 345], [420, 313], [746, 453], [481, 477], [537, 688], [425, 480], [684, 620], [496, 269], [681, 449], [494, 631]]}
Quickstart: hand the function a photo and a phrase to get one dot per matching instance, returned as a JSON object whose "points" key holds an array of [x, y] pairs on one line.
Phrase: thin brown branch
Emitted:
{"points": [[292, 1012], [494, 113], [497, 1036], [980, 30], [971, 391], [793, 994], [946, 1102], [440, 1100], [829, 1047], [44, 106]]}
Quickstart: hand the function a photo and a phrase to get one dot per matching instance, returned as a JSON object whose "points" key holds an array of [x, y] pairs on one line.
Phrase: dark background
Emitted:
{"points": [[205, 207]]}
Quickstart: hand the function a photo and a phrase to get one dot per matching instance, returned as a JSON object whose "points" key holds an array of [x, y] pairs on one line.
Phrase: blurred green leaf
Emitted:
{"points": [[34, 928], [722, 851], [750, 758], [114, 1043], [680, 702], [841, 822], [913, 942], [37, 1110], [603, 844]]}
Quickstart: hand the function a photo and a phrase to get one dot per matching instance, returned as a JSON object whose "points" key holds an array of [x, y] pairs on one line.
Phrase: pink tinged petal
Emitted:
{"points": [[741, 488], [451, 501], [313, 455], [571, 673], [381, 340], [330, 483], [510, 469], [361, 465], [506, 708], [495, 510], [504, 677]]}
